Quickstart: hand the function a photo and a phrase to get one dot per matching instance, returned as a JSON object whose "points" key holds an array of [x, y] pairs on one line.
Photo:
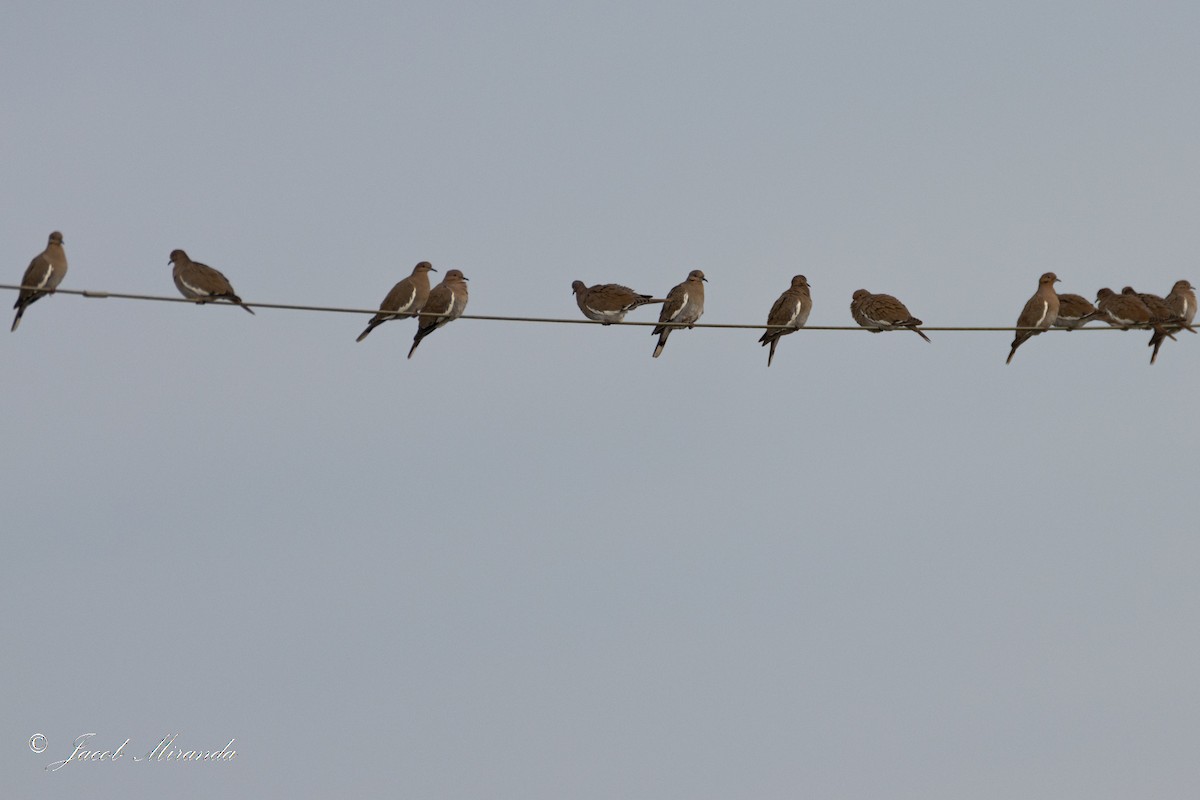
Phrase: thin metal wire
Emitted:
{"points": [[95, 294]]}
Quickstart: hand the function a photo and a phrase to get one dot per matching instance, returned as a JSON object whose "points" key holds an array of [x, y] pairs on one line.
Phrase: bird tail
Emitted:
{"points": [[920, 333], [24, 300], [421, 334], [1016, 343], [1156, 341], [662, 341], [370, 327], [771, 353], [233, 298]]}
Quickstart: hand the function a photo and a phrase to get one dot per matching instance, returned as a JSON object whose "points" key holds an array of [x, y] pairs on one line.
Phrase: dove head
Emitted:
{"points": [[1128, 290], [1048, 279], [178, 257], [1181, 286], [860, 294], [1104, 294], [578, 286], [56, 238], [799, 282], [697, 275], [423, 266], [455, 275]]}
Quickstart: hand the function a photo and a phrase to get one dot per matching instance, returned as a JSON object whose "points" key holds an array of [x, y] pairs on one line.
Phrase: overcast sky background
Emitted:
{"points": [[534, 562]]}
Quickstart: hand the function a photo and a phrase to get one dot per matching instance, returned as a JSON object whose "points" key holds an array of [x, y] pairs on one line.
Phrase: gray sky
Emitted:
{"points": [[533, 562]]}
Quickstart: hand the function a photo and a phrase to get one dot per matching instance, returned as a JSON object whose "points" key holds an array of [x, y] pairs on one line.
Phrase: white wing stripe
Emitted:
{"points": [[47, 271], [194, 290], [679, 310], [1045, 312]]}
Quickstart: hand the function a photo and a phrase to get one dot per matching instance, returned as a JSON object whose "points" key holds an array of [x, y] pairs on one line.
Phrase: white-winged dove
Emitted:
{"points": [[608, 302], [201, 282], [1162, 317], [1040, 312], [791, 309], [43, 275], [446, 303], [1182, 303], [1075, 311], [882, 312], [1160, 313], [1127, 311], [684, 305], [406, 299], [1182, 300], [1121, 310]]}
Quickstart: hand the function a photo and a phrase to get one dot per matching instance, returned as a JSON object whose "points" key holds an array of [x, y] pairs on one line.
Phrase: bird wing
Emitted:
{"points": [[886, 309], [1037, 308], [401, 298], [205, 281], [441, 303], [38, 273], [610, 297]]}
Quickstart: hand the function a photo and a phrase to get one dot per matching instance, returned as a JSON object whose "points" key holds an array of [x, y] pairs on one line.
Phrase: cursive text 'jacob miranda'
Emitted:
{"points": [[165, 750]]}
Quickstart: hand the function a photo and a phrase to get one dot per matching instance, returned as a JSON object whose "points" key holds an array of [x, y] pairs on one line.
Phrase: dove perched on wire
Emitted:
{"points": [[1040, 312], [201, 282], [608, 302], [43, 275], [791, 311], [406, 299], [684, 305], [1075, 311], [882, 312], [447, 302]]}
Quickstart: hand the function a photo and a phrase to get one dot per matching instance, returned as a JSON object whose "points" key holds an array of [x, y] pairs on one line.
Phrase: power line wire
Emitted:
{"points": [[104, 295]]}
